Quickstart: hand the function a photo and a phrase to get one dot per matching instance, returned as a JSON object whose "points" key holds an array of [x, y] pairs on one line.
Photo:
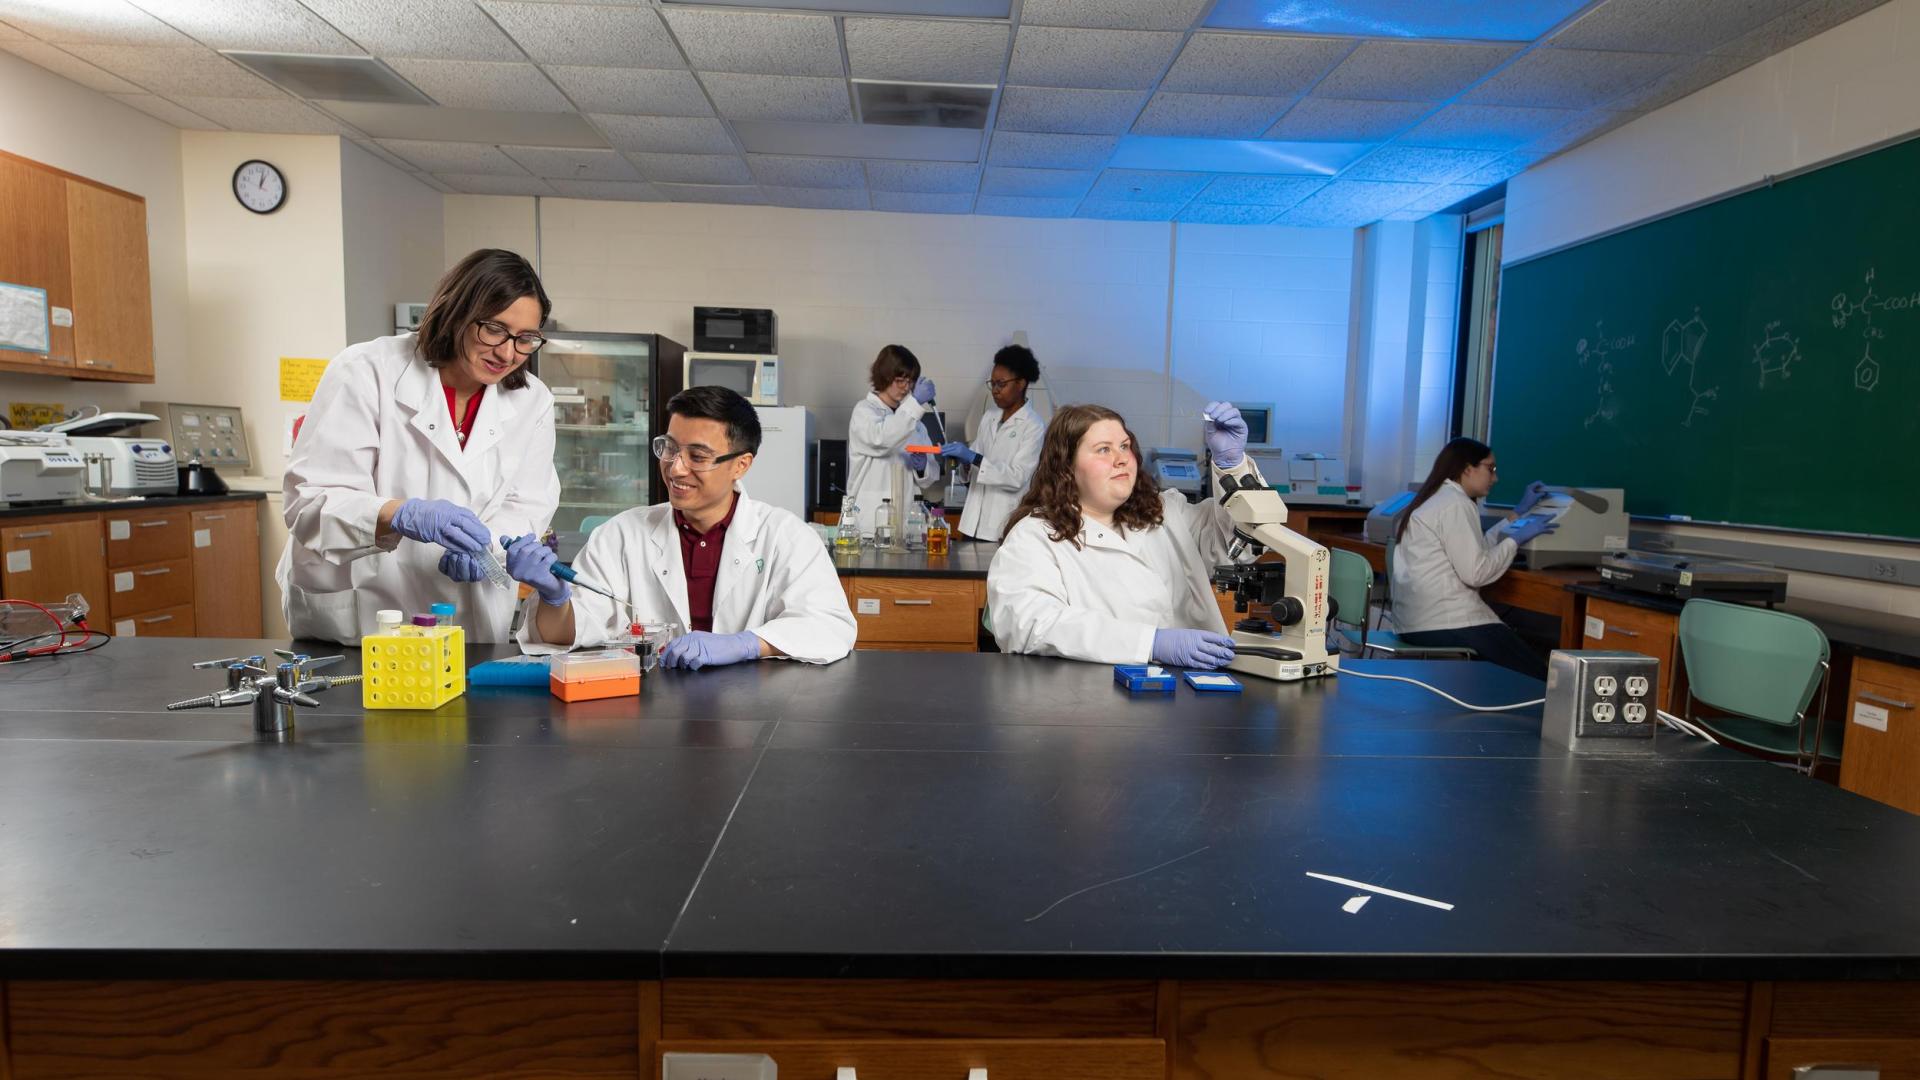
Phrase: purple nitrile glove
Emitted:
{"points": [[1226, 434], [437, 521], [1528, 528], [1191, 648], [923, 390], [1530, 498], [532, 563], [960, 452], [703, 649], [916, 462], [462, 567]]}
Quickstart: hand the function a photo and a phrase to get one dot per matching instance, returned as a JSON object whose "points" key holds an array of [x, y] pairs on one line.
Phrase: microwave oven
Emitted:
{"points": [[734, 330], [756, 378]]}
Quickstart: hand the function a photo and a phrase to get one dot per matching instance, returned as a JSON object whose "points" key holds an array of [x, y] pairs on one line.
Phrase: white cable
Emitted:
{"points": [[1443, 693], [1685, 726]]}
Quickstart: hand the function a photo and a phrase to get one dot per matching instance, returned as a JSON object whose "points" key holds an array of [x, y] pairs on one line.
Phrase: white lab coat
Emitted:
{"points": [[1008, 453], [378, 430], [1443, 561], [775, 579], [876, 436], [1103, 600]]}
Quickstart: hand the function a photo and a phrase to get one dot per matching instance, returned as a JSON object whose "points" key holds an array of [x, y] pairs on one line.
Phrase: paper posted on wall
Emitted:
{"points": [[24, 321]]}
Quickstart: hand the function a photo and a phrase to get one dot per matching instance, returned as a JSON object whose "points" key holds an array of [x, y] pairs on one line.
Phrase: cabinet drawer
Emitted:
{"points": [[174, 621], [1632, 629], [951, 1059], [140, 589], [914, 610], [1818, 1059], [1882, 760], [46, 560], [148, 536]]}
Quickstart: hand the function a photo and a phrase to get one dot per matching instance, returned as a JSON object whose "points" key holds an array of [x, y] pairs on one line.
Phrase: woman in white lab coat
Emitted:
{"points": [[1101, 565], [1442, 559], [1005, 451], [883, 425], [416, 452], [750, 581]]}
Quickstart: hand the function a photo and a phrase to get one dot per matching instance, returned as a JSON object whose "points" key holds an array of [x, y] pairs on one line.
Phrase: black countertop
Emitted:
{"points": [[966, 559], [151, 502], [1876, 634], [915, 815]]}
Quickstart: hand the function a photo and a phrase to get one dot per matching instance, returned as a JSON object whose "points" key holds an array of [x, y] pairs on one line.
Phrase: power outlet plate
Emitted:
{"points": [[1601, 701]]}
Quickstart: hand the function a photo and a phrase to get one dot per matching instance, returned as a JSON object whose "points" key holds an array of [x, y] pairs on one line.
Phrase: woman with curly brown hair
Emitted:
{"points": [[1100, 565]]}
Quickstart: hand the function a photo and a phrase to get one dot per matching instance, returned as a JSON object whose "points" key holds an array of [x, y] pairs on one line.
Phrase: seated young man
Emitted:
{"points": [[747, 580]]}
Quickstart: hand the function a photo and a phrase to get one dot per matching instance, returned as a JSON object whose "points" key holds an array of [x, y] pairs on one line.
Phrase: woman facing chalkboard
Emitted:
{"points": [[1442, 560]]}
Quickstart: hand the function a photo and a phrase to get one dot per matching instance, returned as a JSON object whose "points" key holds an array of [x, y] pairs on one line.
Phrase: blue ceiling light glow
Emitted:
{"points": [[1479, 20], [1269, 157]]}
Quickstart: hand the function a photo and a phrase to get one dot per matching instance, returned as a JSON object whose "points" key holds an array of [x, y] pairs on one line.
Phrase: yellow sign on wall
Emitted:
{"points": [[299, 377], [27, 415]]}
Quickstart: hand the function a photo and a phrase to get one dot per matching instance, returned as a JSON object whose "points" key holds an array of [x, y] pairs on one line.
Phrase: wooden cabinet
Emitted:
{"points": [[919, 1059], [144, 536], [226, 576], [918, 614], [47, 558], [1874, 1027], [1882, 715], [174, 621], [1634, 629], [33, 251], [150, 587]]}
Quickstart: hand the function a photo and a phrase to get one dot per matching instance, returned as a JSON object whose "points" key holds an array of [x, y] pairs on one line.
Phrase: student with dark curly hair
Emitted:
{"points": [[1005, 450]]}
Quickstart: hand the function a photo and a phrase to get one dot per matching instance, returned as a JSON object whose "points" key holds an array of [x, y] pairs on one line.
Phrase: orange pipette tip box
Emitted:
{"points": [[920, 448], [589, 676]]}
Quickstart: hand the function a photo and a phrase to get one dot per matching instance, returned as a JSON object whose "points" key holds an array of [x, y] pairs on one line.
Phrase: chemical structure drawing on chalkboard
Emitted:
{"points": [[1848, 310], [1776, 353], [1681, 343], [1600, 350]]}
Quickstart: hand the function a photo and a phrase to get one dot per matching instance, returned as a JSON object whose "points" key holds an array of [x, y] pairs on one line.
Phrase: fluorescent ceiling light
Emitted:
{"points": [[331, 78], [1481, 20], [959, 9], [904, 104], [467, 125], [1269, 157], [859, 141]]}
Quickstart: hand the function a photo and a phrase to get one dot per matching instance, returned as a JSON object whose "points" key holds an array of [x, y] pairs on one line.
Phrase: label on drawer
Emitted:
{"points": [[1872, 716], [867, 605], [1596, 627], [61, 316], [119, 530], [19, 562], [124, 628], [123, 581], [718, 1067], [204, 537]]}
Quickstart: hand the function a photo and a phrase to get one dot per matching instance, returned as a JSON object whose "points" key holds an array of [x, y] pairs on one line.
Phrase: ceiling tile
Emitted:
{"points": [[757, 43], [1440, 197], [1694, 74], [922, 177], [806, 172], [693, 168], [1149, 185], [167, 112], [1485, 127], [633, 91], [278, 116], [778, 97], [1501, 169], [629, 37], [1114, 14], [383, 154], [1803, 22], [665, 134], [1410, 70], [1426, 164], [258, 25], [69, 67], [1212, 116], [926, 50], [435, 183], [562, 164], [1266, 65], [1275, 191], [1037, 151], [437, 29], [713, 193], [89, 22], [1017, 206], [467, 84], [1082, 112], [194, 71], [905, 202], [819, 198], [1227, 214], [616, 190], [1351, 204], [452, 157], [1037, 183], [494, 185], [1318, 119], [1696, 26], [1090, 59], [1128, 210], [1570, 78], [1485, 20], [1583, 126]]}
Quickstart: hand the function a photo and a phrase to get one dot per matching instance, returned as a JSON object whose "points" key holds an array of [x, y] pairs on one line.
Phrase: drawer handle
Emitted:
{"points": [[1623, 633], [1891, 703], [913, 603], [156, 524], [152, 573], [157, 618], [98, 363], [40, 535], [1837, 1072], [213, 517]]}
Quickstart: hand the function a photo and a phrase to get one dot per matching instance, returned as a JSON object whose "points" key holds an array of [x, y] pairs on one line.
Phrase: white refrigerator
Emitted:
{"points": [[779, 473]]}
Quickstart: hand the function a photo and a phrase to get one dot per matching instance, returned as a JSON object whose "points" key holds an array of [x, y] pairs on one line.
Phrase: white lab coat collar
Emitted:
{"points": [[1106, 537], [421, 391], [663, 542]]}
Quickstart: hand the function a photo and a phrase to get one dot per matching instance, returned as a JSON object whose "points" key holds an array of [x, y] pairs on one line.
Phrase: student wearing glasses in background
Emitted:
{"points": [[1007, 448], [417, 451], [750, 581]]}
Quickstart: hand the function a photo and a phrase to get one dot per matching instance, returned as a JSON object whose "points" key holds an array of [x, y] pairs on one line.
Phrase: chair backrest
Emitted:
{"points": [[594, 521], [1350, 580], [1751, 661]]}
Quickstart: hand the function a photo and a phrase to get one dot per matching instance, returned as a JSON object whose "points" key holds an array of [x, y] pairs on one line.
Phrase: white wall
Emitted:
{"points": [[393, 240], [471, 222], [1841, 91], [1404, 357]]}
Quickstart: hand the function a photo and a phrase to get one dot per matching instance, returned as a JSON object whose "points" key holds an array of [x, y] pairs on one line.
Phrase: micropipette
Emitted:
{"points": [[565, 573]]}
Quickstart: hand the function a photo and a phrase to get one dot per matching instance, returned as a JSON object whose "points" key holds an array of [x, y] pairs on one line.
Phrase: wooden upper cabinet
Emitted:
{"points": [[33, 251], [112, 300]]}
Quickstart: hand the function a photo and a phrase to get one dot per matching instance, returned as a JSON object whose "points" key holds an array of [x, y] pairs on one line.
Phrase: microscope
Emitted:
{"points": [[1291, 642]]}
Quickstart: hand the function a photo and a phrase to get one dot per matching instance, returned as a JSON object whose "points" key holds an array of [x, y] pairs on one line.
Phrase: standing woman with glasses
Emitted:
{"points": [[883, 425], [417, 452], [1007, 448], [1442, 559]]}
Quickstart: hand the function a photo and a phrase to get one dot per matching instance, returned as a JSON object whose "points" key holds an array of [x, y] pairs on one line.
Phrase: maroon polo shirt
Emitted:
{"points": [[700, 554]]}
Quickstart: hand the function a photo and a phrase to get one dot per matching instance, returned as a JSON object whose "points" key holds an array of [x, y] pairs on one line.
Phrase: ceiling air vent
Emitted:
{"points": [[332, 78], [940, 105]]}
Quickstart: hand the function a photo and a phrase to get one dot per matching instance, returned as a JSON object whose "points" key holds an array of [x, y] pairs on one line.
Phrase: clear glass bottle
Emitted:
{"points": [[915, 532], [846, 535], [883, 526], [938, 536]]}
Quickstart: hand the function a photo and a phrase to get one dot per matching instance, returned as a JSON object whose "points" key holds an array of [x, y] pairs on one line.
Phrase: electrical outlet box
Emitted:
{"points": [[1600, 701]]}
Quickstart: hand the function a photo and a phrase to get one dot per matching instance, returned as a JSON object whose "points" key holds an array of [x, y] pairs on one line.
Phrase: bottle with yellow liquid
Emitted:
{"points": [[938, 537], [846, 537]]}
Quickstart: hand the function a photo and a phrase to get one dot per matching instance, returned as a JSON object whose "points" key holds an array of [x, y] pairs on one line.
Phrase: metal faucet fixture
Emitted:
{"points": [[273, 694]]}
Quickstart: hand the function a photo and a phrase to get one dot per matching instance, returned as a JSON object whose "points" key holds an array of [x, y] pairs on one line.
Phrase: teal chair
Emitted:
{"points": [[594, 521], [1350, 583], [1764, 668]]}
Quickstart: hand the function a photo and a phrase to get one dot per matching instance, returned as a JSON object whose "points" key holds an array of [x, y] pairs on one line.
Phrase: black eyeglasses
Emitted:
{"points": [[699, 458], [997, 385], [493, 335]]}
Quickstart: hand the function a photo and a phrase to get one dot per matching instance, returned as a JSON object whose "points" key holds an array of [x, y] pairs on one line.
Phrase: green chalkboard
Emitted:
{"points": [[1755, 360]]}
